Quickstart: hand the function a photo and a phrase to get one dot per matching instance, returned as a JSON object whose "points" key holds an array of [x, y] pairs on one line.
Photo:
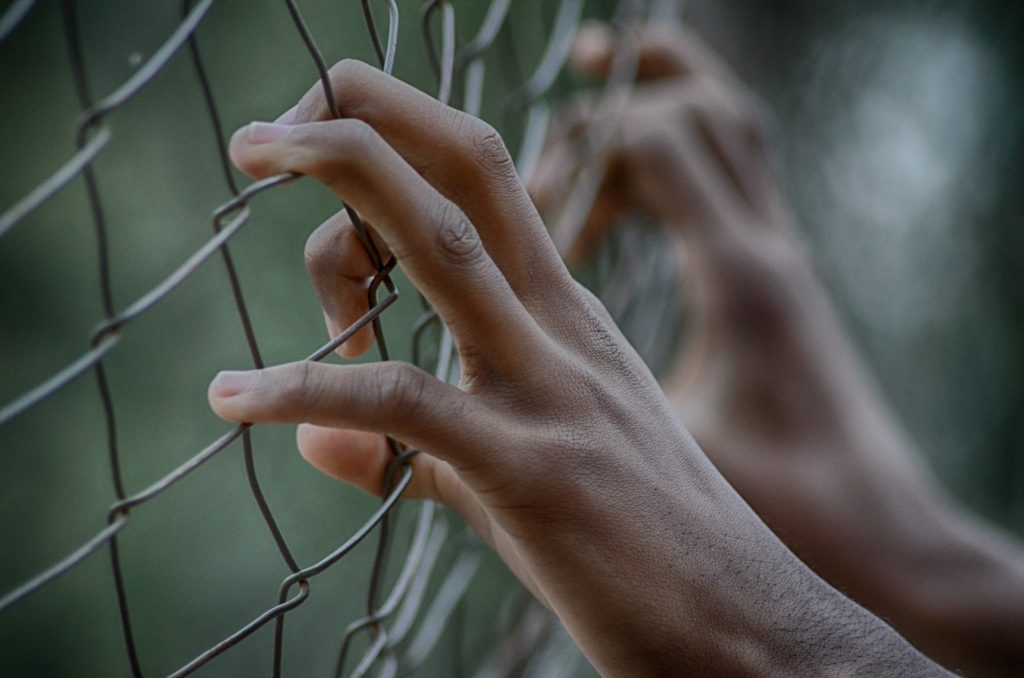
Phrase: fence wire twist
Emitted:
{"points": [[402, 606]]}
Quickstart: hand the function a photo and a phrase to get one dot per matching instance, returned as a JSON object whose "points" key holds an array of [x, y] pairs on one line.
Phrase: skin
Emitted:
{"points": [[767, 381], [557, 446]]}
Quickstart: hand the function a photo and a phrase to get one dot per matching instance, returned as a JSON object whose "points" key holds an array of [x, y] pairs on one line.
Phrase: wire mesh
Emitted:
{"points": [[401, 635]]}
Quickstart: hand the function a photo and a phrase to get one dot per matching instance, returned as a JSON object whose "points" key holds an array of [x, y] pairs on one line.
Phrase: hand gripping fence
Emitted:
{"points": [[397, 615]]}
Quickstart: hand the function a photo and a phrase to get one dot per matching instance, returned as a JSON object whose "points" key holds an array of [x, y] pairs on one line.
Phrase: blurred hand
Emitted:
{"points": [[557, 445], [688, 149], [766, 380]]}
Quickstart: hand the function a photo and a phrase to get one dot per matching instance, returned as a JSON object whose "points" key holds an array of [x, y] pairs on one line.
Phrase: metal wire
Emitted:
{"points": [[398, 647]]}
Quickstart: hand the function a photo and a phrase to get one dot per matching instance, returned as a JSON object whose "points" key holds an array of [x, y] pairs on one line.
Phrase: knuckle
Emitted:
{"points": [[456, 238], [400, 390], [359, 137], [298, 385], [487, 155], [489, 151], [329, 251], [347, 76], [307, 155], [328, 152], [588, 298], [317, 251], [593, 333], [345, 71], [344, 76]]}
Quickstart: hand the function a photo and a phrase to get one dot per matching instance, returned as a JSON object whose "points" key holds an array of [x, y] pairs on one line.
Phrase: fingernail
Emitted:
{"points": [[288, 117], [229, 384], [266, 132]]}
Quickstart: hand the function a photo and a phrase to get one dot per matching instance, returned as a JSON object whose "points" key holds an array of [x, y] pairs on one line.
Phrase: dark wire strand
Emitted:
{"points": [[91, 118], [403, 604], [237, 295]]}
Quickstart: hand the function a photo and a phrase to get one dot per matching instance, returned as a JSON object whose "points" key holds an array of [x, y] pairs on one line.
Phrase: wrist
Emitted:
{"points": [[831, 635], [810, 628], [687, 603]]}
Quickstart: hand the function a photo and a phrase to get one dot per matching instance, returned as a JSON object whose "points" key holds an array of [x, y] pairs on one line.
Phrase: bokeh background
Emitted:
{"points": [[898, 127]]}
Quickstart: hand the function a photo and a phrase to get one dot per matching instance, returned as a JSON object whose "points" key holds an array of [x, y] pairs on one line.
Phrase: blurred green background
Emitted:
{"points": [[899, 130]]}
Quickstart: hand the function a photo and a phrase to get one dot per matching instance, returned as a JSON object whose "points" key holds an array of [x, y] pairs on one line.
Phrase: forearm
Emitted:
{"points": [[951, 585], [891, 539], [963, 597], [854, 502]]}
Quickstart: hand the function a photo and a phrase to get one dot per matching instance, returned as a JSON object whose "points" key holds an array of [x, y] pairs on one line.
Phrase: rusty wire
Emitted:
{"points": [[389, 651]]}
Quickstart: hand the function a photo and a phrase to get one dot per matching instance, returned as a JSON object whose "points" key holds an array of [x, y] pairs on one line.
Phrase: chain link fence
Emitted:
{"points": [[405, 612], [131, 545]]}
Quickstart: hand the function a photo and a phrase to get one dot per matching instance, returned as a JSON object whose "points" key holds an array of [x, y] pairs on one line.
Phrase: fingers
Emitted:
{"points": [[713, 124], [393, 398], [728, 117], [430, 236], [665, 51], [666, 161], [553, 180], [558, 164], [358, 458], [675, 176], [462, 157], [361, 459], [731, 136], [690, 82], [341, 271]]}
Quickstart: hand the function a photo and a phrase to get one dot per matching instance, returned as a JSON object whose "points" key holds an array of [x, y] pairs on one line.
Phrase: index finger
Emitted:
{"points": [[430, 236], [462, 157]]}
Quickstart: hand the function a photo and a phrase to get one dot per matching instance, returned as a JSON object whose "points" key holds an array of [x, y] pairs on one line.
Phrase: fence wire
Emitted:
{"points": [[404, 623]]}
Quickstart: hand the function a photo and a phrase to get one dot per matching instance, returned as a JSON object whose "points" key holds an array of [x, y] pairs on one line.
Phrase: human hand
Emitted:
{"points": [[688, 150], [766, 379], [757, 377], [557, 445]]}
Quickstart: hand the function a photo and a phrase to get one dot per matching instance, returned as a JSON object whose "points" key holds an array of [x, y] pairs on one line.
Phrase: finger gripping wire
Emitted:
{"points": [[397, 585]]}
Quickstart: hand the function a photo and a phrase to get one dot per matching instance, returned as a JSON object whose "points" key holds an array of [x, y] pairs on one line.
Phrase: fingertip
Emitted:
{"points": [[592, 49], [245, 147], [309, 439], [348, 351], [358, 345], [241, 153], [230, 383], [225, 387], [318, 448], [355, 457]]}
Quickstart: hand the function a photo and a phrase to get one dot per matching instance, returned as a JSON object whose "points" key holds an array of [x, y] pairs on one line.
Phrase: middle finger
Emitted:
{"points": [[429, 235], [463, 159]]}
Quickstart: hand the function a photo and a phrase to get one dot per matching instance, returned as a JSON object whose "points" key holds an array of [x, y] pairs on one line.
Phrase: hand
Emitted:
{"points": [[557, 445], [688, 149], [767, 381]]}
